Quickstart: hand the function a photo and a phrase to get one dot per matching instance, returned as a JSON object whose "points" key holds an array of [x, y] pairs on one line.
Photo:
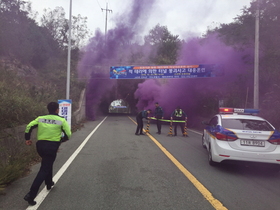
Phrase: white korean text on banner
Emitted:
{"points": [[165, 72], [65, 109]]}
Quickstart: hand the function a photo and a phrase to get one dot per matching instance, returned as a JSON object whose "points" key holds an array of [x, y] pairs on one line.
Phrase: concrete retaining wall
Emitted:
{"points": [[80, 113]]}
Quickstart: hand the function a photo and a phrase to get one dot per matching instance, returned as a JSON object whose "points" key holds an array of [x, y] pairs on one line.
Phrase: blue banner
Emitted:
{"points": [[165, 72]]}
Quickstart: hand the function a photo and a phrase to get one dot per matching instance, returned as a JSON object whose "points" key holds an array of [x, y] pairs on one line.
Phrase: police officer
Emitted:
{"points": [[139, 119], [178, 114], [158, 115], [50, 127]]}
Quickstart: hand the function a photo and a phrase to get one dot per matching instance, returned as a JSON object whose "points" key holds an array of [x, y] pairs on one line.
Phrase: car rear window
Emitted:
{"points": [[244, 124]]}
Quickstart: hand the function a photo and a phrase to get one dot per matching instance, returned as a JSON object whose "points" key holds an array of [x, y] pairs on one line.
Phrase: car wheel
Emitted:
{"points": [[203, 141], [211, 162]]}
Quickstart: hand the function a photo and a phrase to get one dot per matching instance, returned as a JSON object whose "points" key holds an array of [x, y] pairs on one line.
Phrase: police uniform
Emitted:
{"points": [[159, 115], [178, 114], [139, 119], [50, 128]]}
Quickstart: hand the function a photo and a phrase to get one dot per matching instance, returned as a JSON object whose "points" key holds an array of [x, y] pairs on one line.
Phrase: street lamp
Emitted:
{"points": [[256, 62], [69, 52]]}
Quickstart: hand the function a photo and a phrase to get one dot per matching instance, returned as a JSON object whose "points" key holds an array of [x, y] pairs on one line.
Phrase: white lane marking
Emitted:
{"points": [[199, 133], [44, 192]]}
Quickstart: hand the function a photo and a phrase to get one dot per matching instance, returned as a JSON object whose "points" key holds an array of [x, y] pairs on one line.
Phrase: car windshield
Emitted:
{"points": [[244, 124]]}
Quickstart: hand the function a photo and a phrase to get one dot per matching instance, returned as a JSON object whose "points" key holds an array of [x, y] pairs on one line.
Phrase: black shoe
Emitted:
{"points": [[50, 186], [142, 134], [175, 134], [158, 132], [29, 199], [137, 134]]}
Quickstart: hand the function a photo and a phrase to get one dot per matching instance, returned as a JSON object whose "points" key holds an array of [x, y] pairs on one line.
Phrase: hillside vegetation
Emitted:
{"points": [[33, 58]]}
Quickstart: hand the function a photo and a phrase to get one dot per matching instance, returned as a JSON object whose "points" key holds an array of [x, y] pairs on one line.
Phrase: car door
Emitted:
{"points": [[210, 130]]}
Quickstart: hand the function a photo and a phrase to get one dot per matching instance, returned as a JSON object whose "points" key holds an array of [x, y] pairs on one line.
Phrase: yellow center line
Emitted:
{"points": [[206, 193]]}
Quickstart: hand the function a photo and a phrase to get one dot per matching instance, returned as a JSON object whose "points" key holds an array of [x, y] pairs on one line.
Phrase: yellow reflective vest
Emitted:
{"points": [[178, 113], [50, 128]]}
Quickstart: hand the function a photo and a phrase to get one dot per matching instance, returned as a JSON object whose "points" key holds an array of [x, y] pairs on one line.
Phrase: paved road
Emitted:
{"points": [[114, 169]]}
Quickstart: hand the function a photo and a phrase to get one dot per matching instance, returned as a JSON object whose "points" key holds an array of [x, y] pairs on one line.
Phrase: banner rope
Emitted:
{"points": [[181, 121]]}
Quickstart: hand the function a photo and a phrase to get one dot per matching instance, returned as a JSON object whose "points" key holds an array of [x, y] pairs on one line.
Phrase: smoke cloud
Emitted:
{"points": [[116, 48], [185, 92], [107, 50]]}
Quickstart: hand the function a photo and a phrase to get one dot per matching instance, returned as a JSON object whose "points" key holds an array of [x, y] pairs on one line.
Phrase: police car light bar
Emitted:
{"points": [[238, 110]]}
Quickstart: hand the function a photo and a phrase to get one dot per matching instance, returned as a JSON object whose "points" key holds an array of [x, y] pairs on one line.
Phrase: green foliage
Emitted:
{"points": [[15, 157], [58, 27], [22, 38], [22, 100], [241, 34], [16, 104], [272, 99], [14, 168], [165, 44], [16, 165], [207, 105]]}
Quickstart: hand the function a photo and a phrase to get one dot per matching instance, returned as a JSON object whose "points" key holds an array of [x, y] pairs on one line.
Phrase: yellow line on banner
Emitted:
{"points": [[206, 193]]}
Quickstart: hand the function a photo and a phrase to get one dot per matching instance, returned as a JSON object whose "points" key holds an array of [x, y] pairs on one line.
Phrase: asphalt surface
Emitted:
{"points": [[119, 170]]}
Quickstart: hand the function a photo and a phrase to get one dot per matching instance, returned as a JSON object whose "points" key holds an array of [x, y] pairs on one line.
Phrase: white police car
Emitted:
{"points": [[237, 134]]}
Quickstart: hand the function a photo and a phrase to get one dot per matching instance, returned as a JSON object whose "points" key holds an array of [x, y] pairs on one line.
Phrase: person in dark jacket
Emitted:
{"points": [[178, 114], [139, 119], [158, 115], [50, 127]]}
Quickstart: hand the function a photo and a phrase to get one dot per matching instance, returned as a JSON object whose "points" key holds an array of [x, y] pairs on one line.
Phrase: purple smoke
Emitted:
{"points": [[103, 52], [184, 92], [121, 45]]}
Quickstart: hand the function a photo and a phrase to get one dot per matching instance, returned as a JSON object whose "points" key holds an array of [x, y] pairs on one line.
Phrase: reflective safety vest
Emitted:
{"points": [[178, 113], [49, 127]]}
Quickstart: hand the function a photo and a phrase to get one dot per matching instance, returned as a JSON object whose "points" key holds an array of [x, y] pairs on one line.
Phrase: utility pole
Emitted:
{"points": [[256, 62], [107, 10], [69, 53]]}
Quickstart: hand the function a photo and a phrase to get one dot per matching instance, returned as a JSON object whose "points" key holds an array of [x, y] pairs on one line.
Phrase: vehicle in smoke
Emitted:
{"points": [[119, 106]]}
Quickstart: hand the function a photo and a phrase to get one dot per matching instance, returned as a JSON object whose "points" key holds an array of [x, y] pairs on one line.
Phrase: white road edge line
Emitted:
{"points": [[44, 192], [199, 133]]}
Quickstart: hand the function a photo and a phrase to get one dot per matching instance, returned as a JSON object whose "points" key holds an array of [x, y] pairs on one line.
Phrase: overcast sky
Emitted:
{"points": [[182, 17]]}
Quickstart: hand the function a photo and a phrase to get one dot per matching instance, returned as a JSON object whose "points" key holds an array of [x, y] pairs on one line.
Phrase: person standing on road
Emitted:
{"points": [[158, 115], [50, 129], [178, 114], [139, 119]]}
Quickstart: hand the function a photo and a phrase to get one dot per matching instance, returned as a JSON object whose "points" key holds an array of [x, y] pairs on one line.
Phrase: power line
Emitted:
{"points": [[98, 3]]}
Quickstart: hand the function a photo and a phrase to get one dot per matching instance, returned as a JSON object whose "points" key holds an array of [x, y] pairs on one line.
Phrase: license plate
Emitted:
{"points": [[255, 143]]}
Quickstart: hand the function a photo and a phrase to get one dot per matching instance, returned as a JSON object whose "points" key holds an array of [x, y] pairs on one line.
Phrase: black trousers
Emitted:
{"points": [[139, 125], [158, 124], [47, 150], [182, 125]]}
